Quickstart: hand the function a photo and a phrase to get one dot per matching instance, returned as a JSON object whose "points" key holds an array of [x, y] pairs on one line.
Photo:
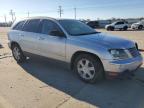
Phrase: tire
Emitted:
{"points": [[140, 27], [18, 54], [125, 28], [110, 28], [88, 68]]}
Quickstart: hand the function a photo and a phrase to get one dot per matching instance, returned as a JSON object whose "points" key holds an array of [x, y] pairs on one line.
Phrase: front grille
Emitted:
{"points": [[134, 52]]}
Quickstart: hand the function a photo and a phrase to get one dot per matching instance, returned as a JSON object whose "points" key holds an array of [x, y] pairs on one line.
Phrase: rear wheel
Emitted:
{"points": [[88, 68], [18, 54]]}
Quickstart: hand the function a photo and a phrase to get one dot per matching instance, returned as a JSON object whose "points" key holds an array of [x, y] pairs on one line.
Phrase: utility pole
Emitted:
{"points": [[12, 15], [28, 14], [60, 11], [75, 13], [5, 18]]}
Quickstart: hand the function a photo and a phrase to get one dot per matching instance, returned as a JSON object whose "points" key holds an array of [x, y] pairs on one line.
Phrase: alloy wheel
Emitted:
{"points": [[86, 69]]}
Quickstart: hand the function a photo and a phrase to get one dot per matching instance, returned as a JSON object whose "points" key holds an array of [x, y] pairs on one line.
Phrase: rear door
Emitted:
{"points": [[29, 36]]}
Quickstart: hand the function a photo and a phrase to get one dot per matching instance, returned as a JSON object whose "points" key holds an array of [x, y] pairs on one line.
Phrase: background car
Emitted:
{"points": [[139, 25], [120, 25], [93, 24]]}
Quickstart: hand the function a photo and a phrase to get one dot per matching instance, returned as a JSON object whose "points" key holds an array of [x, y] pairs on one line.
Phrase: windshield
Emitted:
{"points": [[76, 28], [114, 23]]}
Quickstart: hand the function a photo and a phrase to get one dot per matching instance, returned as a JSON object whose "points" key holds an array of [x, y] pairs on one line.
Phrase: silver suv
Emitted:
{"points": [[119, 25], [139, 25], [91, 54]]}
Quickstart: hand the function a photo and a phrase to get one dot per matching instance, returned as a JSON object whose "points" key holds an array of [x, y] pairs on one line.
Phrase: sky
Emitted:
{"points": [[86, 9]]}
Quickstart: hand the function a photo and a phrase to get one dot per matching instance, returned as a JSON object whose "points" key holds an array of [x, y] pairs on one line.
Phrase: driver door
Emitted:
{"points": [[52, 46]]}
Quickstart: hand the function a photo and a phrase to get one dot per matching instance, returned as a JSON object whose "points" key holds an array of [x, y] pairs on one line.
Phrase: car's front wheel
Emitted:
{"points": [[18, 54], [89, 68], [110, 28], [140, 27]]}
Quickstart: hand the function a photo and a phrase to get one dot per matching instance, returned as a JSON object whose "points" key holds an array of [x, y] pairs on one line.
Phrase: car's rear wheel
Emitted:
{"points": [[18, 54], [88, 68]]}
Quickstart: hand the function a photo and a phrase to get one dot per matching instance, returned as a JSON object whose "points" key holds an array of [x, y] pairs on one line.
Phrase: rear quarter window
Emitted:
{"points": [[19, 26]]}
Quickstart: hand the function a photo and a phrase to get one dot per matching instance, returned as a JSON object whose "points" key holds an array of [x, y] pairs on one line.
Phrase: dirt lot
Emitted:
{"points": [[47, 84]]}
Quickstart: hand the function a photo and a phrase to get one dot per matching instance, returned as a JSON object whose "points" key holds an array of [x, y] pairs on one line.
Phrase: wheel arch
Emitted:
{"points": [[13, 43], [82, 52], [141, 25]]}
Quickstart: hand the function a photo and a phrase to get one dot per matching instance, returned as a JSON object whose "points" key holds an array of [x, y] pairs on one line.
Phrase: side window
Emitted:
{"points": [[32, 26], [117, 23], [122, 22], [49, 26], [19, 26]]}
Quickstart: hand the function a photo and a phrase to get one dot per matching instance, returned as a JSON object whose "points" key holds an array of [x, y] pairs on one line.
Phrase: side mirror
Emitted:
{"points": [[57, 33]]}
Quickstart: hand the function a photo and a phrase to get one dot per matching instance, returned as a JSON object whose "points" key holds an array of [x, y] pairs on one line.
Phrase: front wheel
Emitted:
{"points": [[89, 68], [110, 28], [18, 54]]}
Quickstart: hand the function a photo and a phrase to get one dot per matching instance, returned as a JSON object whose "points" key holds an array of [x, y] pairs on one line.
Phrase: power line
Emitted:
{"points": [[60, 11]]}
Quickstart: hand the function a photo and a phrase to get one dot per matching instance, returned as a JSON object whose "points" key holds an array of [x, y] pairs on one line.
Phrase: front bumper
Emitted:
{"points": [[120, 66]]}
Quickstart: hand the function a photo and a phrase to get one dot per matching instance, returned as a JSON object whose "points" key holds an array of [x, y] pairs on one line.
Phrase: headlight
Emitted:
{"points": [[119, 54]]}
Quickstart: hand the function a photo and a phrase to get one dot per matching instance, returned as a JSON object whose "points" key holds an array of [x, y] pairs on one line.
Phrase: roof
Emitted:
{"points": [[45, 17], [39, 17]]}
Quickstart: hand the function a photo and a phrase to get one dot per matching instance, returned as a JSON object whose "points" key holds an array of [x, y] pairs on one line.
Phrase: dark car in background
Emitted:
{"points": [[93, 24]]}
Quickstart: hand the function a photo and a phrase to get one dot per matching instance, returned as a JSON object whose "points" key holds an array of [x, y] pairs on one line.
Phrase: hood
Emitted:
{"points": [[105, 40], [136, 23], [109, 25]]}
